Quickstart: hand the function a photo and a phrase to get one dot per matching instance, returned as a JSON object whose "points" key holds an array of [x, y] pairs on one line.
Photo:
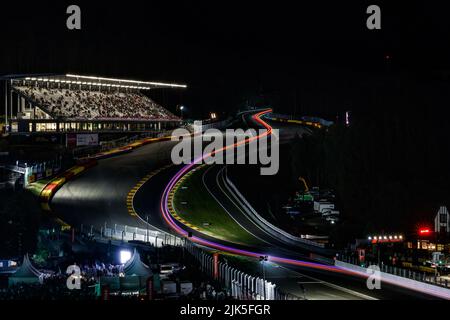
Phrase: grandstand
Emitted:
{"points": [[76, 103]]}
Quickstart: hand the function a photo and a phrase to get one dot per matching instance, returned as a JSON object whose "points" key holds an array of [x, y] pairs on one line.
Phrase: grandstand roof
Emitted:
{"points": [[92, 80]]}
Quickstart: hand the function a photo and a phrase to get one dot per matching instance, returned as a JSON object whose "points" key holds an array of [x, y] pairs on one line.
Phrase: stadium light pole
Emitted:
{"points": [[6, 105]]}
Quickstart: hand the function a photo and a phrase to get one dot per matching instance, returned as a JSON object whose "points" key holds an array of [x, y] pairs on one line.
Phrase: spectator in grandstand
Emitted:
{"points": [[90, 105]]}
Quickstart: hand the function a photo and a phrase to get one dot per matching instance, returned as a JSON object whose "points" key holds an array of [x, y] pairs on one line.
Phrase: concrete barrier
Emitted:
{"points": [[399, 281], [263, 223]]}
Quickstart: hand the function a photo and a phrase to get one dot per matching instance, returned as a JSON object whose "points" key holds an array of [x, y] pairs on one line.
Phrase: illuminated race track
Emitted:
{"points": [[169, 219], [99, 195], [164, 202]]}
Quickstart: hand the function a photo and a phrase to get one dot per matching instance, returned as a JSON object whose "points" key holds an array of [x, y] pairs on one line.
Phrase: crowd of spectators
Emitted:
{"points": [[97, 270], [91, 105], [54, 284]]}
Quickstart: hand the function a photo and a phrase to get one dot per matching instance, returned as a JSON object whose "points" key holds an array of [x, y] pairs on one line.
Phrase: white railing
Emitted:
{"points": [[128, 233], [240, 285], [401, 277], [258, 219]]}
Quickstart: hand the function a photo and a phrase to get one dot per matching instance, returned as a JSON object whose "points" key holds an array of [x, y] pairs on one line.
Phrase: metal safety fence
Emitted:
{"points": [[239, 284], [417, 275], [129, 233]]}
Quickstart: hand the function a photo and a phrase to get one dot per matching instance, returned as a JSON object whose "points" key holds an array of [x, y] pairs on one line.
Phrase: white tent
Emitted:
{"points": [[135, 267], [26, 273]]}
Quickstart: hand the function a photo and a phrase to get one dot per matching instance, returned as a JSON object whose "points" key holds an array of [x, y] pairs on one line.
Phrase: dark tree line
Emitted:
{"points": [[390, 167]]}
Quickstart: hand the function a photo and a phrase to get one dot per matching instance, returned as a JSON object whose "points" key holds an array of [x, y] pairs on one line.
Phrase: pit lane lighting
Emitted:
{"points": [[385, 238], [161, 84], [132, 84]]}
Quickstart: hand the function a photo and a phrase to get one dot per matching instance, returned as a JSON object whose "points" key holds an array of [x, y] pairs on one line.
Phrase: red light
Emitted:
{"points": [[424, 231]]}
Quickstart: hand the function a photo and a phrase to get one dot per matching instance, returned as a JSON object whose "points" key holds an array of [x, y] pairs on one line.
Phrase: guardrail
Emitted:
{"points": [[423, 277], [213, 125], [263, 223], [128, 233], [289, 119], [239, 284], [125, 233]]}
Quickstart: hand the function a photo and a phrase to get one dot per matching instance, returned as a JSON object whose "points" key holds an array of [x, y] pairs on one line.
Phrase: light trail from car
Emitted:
{"points": [[307, 264]]}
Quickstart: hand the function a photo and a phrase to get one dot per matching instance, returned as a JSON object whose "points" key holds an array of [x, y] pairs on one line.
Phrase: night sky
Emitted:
{"points": [[300, 58], [304, 58]]}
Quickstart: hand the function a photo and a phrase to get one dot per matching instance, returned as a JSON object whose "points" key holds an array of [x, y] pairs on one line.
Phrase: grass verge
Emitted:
{"points": [[194, 204]]}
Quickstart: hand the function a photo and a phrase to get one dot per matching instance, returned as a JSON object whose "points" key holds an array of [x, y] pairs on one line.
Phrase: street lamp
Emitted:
{"points": [[146, 229], [264, 259], [181, 111]]}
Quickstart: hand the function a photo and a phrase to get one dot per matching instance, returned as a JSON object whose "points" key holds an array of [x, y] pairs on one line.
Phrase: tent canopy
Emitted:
{"points": [[135, 267], [26, 273]]}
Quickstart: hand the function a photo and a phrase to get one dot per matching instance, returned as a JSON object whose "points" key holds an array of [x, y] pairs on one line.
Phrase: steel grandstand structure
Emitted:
{"points": [[48, 103]]}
